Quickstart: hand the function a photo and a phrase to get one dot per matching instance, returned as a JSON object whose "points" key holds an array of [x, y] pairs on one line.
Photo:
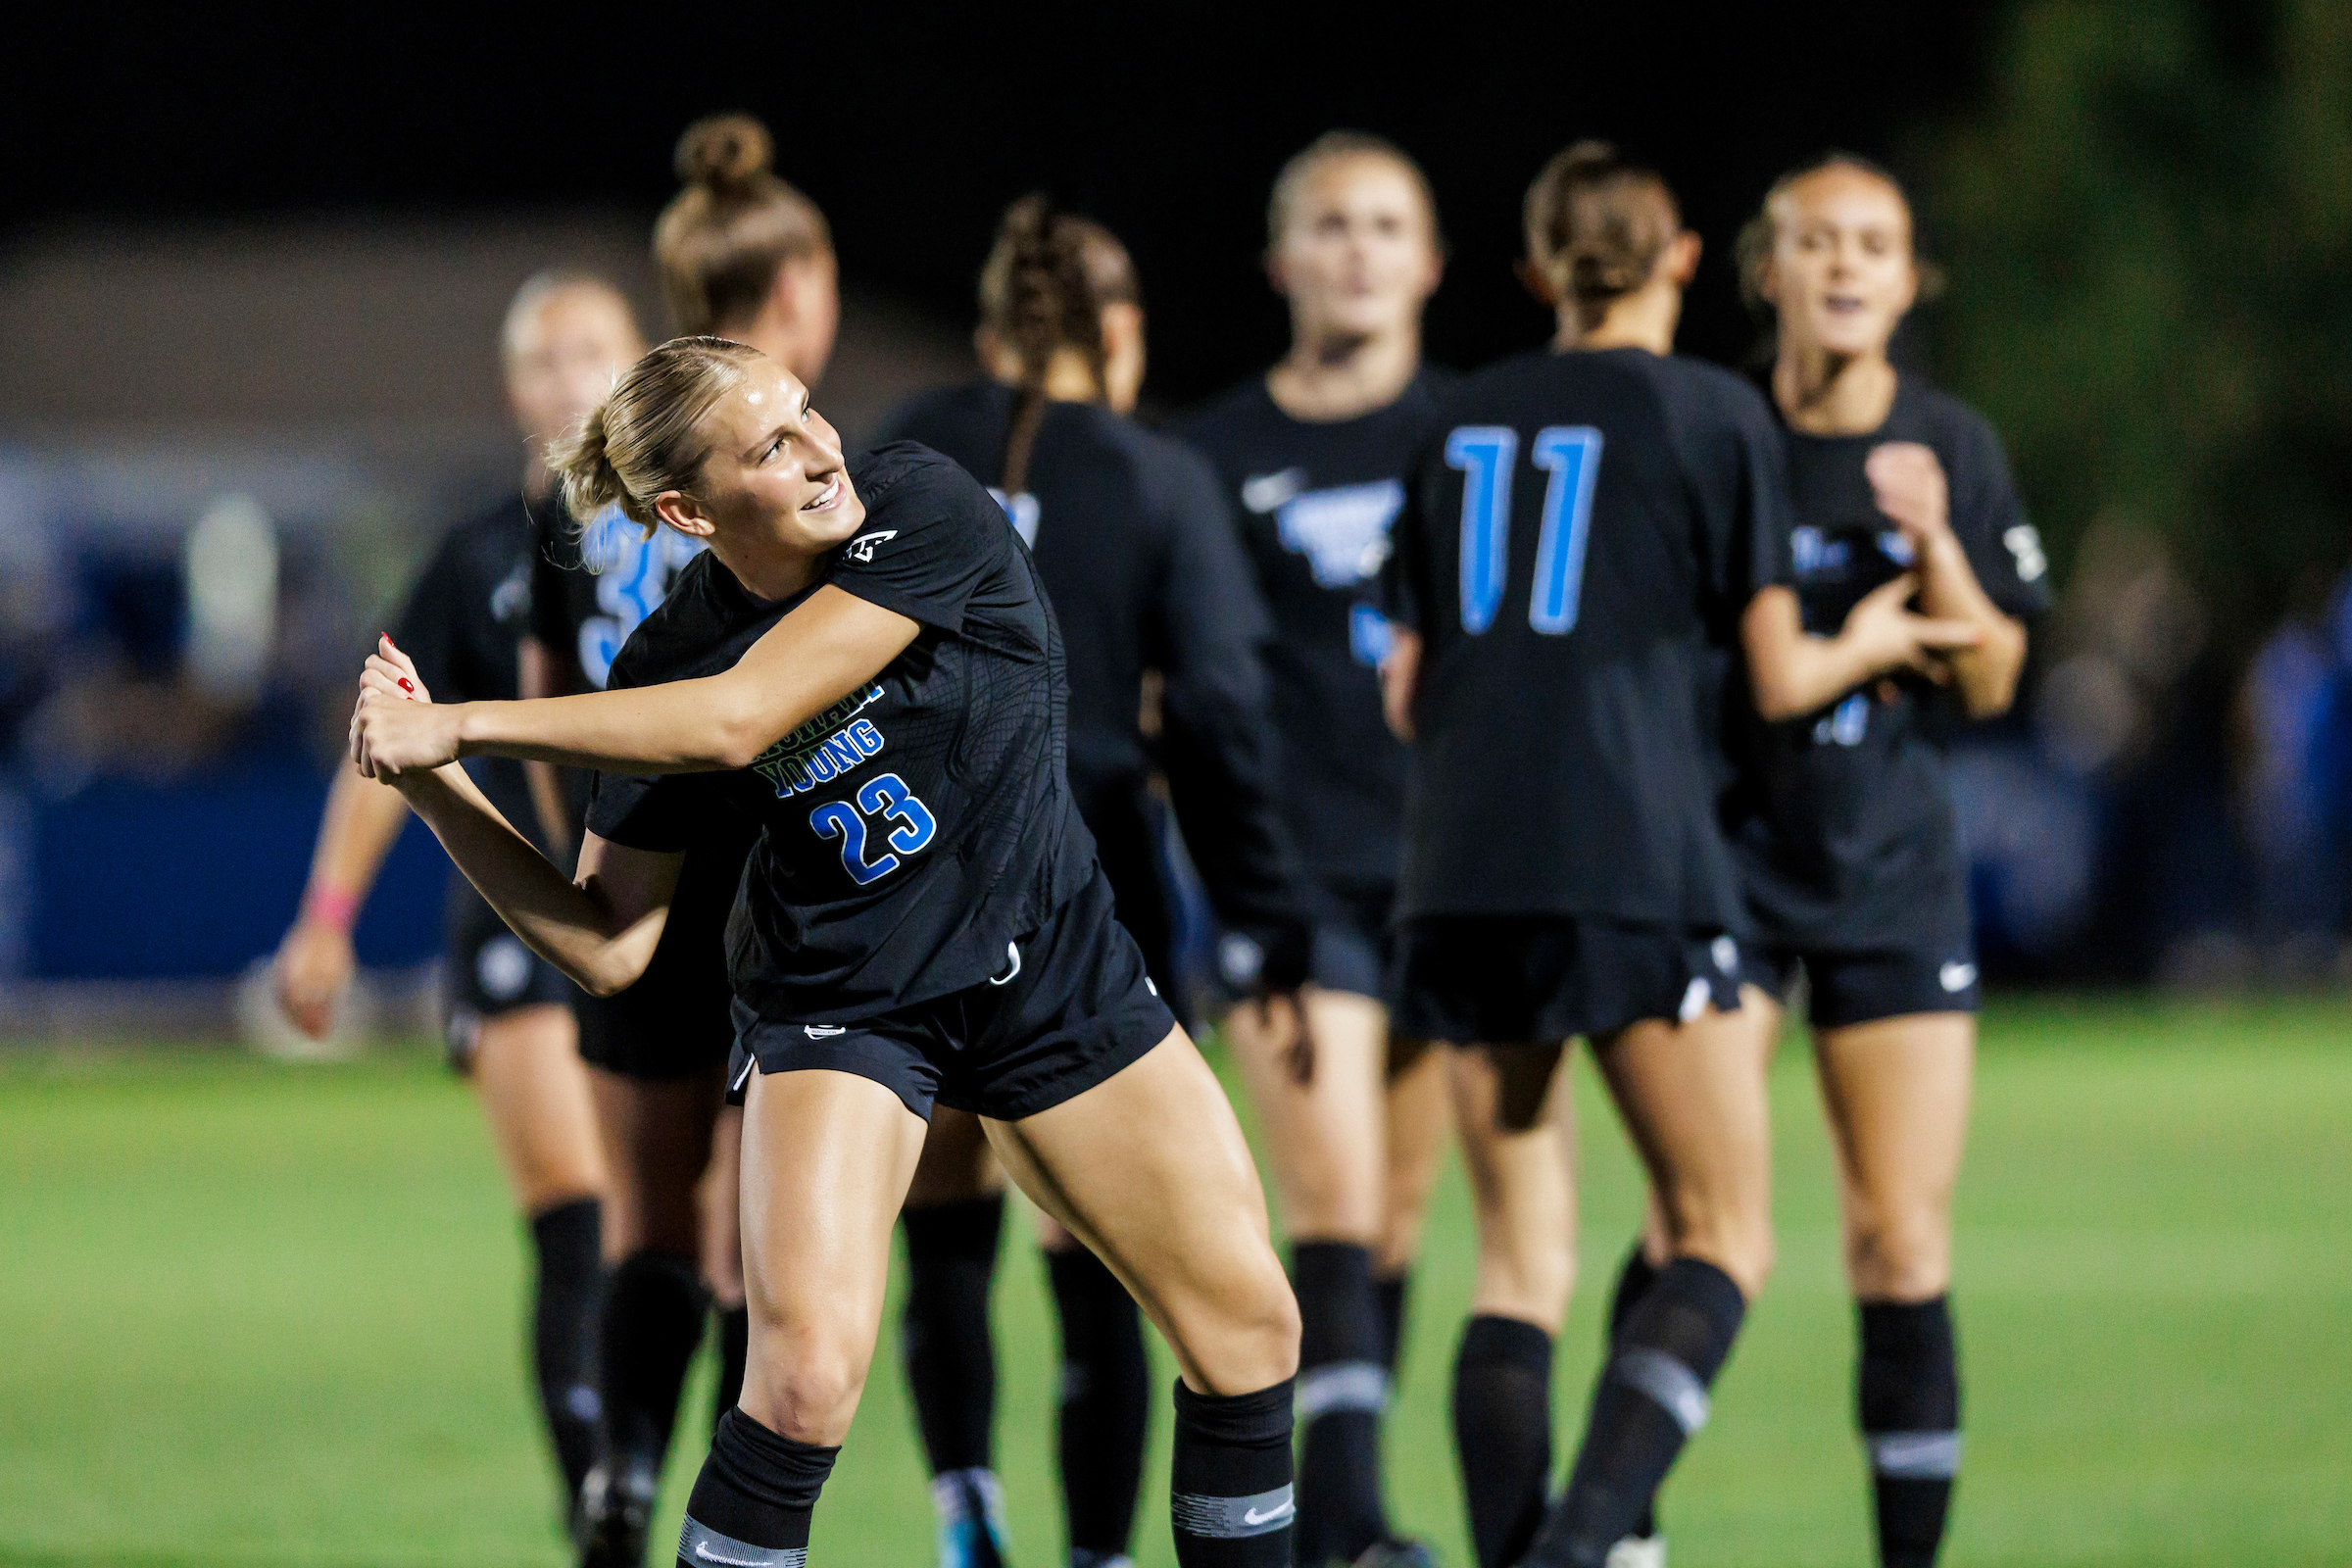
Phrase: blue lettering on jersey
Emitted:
{"points": [[1343, 531], [1845, 724], [1369, 634], [632, 575]]}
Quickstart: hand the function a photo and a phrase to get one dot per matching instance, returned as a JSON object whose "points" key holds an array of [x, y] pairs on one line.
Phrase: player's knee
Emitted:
{"points": [[1527, 1277], [1736, 1237], [810, 1390], [1249, 1336], [1898, 1253]]}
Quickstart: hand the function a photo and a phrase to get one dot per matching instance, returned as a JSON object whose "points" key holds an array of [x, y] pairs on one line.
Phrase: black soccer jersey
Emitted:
{"points": [[922, 822], [459, 627], [1842, 819], [1316, 503], [1584, 530], [1131, 541]]}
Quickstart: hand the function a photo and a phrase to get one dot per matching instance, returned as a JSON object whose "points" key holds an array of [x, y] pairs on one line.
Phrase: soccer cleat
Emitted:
{"points": [[1396, 1551], [617, 1509], [1639, 1551], [971, 1519]]}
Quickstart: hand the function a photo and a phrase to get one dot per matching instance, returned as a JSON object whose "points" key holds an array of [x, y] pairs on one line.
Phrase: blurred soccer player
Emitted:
{"points": [[1314, 454], [1572, 566], [864, 659], [1131, 540], [1842, 814], [509, 1025], [744, 255]]}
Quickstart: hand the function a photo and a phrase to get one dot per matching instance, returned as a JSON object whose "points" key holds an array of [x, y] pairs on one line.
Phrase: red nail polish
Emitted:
{"points": [[405, 686]]}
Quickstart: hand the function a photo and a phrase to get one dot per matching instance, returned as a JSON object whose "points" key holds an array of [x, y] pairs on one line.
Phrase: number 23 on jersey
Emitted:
{"points": [[884, 796], [1485, 454]]}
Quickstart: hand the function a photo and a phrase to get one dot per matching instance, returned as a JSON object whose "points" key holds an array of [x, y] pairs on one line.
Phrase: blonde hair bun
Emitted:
{"points": [[725, 153]]}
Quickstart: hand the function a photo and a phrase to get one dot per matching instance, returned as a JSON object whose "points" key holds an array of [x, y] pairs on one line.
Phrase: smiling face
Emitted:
{"points": [[1841, 271], [1357, 254], [774, 475]]}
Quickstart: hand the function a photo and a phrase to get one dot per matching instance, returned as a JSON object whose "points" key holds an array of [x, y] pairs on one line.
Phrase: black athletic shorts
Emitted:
{"points": [[1354, 948], [1849, 986], [677, 1021], [1542, 979], [486, 970], [1072, 1007]]}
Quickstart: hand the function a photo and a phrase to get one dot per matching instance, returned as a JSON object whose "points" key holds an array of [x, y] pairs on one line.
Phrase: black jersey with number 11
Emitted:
{"points": [[920, 823], [1582, 536]]}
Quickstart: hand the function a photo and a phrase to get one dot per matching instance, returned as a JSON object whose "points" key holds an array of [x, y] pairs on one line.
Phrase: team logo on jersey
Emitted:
{"points": [[1021, 512], [2025, 543], [861, 547], [1264, 492], [1343, 532], [513, 595], [1956, 976], [823, 749]]}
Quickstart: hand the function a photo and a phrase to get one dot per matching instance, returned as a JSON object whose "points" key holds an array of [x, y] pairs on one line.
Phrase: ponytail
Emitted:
{"points": [[1042, 291]]}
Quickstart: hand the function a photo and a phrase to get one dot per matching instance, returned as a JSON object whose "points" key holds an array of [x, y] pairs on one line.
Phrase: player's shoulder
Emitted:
{"points": [[907, 479], [1945, 420], [1241, 415], [936, 414], [1703, 388]]}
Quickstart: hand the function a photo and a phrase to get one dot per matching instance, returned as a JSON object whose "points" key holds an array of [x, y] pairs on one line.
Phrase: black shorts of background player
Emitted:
{"points": [[1130, 538], [741, 252], [1314, 454], [1572, 564], [866, 661], [509, 1025], [1841, 811]]}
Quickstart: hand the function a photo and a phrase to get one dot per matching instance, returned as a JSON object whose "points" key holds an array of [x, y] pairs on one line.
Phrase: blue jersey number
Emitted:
{"points": [[1484, 454], [884, 796]]}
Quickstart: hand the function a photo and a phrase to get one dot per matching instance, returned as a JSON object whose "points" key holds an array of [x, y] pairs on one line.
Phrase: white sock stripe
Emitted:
{"points": [[699, 1542], [1915, 1455], [953, 1492], [1340, 1386], [1667, 1381], [1232, 1518]]}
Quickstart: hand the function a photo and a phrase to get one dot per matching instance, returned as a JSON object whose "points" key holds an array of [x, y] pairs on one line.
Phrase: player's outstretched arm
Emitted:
{"points": [[1793, 672], [816, 655], [600, 930]]}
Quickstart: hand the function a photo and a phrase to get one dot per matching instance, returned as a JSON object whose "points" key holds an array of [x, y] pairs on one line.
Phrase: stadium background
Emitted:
{"points": [[250, 277]]}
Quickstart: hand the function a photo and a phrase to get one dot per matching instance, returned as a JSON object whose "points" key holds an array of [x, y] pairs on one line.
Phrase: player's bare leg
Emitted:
{"points": [[1897, 1092], [1149, 1170]]}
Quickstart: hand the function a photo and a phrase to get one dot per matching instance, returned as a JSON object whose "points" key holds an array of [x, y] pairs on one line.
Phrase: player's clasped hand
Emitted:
{"points": [[1907, 484], [395, 729], [1895, 637]]}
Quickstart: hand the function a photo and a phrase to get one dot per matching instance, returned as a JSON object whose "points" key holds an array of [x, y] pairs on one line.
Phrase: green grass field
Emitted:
{"points": [[255, 1314]]}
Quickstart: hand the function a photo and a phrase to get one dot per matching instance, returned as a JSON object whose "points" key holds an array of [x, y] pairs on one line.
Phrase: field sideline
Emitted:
{"points": [[254, 1313]]}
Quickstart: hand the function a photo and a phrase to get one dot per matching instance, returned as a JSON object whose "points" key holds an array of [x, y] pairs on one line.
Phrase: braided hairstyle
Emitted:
{"points": [[723, 237], [1042, 291], [1597, 225]]}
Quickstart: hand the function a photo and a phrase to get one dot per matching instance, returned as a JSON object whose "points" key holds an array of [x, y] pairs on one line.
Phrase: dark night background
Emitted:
{"points": [[914, 128]]}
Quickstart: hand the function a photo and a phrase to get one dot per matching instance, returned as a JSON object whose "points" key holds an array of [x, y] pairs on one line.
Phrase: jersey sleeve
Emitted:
{"points": [[555, 554], [1401, 597], [427, 629], [931, 537], [1989, 518], [663, 814], [1219, 753], [1747, 539]]}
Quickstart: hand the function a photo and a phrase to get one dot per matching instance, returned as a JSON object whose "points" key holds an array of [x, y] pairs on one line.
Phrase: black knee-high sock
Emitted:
{"points": [[751, 1505], [1634, 1279], [1652, 1396], [734, 1350], [564, 1312], [1393, 1292], [1106, 1401], [1230, 1495], [1909, 1388], [1503, 1432], [943, 1338], [654, 1304], [1343, 1388]]}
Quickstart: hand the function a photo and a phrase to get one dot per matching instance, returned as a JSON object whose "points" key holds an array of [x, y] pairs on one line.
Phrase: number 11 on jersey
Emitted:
{"points": [[1486, 455]]}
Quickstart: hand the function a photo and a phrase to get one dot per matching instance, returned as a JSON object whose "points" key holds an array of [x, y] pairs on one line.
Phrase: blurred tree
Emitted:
{"points": [[2150, 236]]}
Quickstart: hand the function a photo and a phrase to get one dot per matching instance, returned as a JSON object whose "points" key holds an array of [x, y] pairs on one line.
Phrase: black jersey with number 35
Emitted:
{"points": [[1579, 542], [1842, 819], [922, 822]]}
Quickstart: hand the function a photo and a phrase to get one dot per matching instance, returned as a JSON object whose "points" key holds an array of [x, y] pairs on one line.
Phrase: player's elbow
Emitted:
{"points": [[608, 972], [1777, 697], [1989, 686]]}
